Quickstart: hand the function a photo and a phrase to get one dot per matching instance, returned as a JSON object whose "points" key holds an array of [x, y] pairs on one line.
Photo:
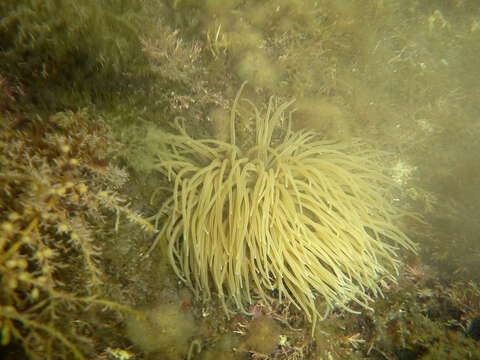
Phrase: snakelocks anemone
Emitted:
{"points": [[296, 217]]}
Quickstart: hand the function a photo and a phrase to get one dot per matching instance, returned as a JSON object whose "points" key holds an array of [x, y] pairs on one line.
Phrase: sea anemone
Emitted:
{"points": [[294, 216]]}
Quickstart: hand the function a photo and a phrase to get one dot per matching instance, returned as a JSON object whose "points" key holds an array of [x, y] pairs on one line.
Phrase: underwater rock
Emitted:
{"points": [[263, 335], [167, 329]]}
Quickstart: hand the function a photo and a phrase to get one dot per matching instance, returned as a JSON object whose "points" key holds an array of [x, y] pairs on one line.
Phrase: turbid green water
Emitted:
{"points": [[400, 76]]}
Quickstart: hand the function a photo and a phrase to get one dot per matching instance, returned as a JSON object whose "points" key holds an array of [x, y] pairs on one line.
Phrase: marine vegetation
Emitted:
{"points": [[296, 215], [55, 188]]}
